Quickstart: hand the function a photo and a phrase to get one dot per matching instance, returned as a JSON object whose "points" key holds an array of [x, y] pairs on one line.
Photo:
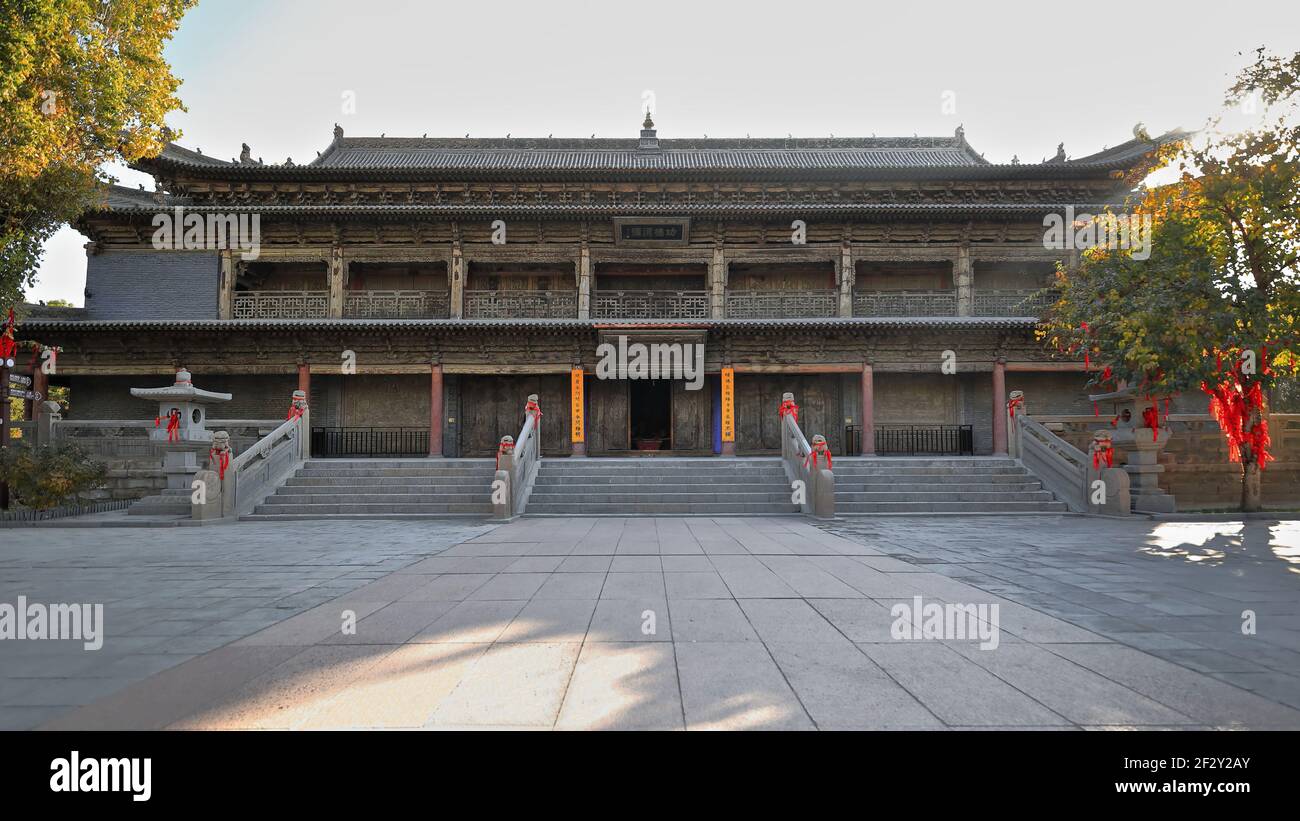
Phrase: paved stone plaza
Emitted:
{"points": [[668, 623]]}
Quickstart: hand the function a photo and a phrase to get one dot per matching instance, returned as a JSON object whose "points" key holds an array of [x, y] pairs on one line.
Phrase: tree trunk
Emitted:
{"points": [[1251, 500]]}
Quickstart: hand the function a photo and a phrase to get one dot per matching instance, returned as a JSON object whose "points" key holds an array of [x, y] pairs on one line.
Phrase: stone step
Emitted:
{"points": [[596, 497], [945, 480], [388, 463], [659, 509], [376, 473], [548, 478], [928, 470], [308, 517], [370, 509], [468, 497], [949, 507], [940, 488], [944, 496], [341, 484]]}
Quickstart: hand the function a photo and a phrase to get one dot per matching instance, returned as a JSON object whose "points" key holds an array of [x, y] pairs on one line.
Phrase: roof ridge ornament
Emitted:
{"points": [[649, 137], [338, 132], [960, 133]]}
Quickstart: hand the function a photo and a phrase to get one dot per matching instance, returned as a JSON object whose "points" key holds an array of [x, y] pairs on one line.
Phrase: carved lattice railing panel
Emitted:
{"points": [[768, 304], [651, 304], [905, 303], [280, 304], [525, 304], [397, 304], [1013, 303]]}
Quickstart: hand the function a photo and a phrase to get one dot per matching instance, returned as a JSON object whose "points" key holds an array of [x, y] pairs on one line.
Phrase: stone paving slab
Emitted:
{"points": [[665, 623]]}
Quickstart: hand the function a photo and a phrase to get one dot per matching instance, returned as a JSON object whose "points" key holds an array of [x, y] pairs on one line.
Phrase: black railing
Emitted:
{"points": [[913, 439], [369, 442]]}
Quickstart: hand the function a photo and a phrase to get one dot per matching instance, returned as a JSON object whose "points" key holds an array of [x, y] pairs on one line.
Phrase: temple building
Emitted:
{"points": [[418, 289]]}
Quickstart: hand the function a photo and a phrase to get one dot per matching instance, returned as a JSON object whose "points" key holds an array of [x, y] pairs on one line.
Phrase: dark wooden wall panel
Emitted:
{"points": [[758, 396], [493, 406], [607, 416], [692, 418]]}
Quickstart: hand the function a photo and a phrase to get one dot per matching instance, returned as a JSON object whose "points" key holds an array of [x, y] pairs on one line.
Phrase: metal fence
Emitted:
{"points": [[947, 440], [326, 442]]}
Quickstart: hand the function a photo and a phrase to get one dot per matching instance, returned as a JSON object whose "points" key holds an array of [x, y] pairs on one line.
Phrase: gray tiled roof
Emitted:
{"points": [[623, 155]]}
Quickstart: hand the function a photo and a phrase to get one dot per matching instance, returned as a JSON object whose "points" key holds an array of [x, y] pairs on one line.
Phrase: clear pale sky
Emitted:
{"points": [[1024, 75]]}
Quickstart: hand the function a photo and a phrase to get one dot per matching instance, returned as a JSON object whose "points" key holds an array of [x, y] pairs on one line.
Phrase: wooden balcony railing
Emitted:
{"points": [[905, 303], [397, 304], [779, 304], [522, 304], [280, 304], [651, 305], [1013, 303]]}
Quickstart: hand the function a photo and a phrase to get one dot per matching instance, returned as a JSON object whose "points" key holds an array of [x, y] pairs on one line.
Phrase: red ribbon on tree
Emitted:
{"points": [[1151, 417], [1233, 407], [1087, 361], [788, 406], [8, 347]]}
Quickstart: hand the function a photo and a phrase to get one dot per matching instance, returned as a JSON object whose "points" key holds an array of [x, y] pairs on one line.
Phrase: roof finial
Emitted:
{"points": [[245, 155], [1060, 153], [960, 133], [649, 123], [338, 131], [1140, 132]]}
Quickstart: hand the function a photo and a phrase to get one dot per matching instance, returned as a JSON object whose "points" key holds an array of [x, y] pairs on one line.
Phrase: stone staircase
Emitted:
{"points": [[939, 485], [382, 488], [660, 486]]}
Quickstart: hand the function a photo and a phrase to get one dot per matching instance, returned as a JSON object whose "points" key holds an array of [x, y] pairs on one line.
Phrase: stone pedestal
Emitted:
{"points": [[1144, 469]]}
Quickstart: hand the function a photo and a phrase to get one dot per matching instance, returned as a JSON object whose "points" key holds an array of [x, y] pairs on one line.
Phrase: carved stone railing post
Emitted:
{"points": [[1107, 486], [1016, 409]]}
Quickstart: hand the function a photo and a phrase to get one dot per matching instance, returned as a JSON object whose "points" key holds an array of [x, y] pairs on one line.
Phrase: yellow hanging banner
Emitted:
{"points": [[578, 424], [728, 405]]}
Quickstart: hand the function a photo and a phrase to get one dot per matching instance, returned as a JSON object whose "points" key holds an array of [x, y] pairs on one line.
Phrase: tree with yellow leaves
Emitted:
{"points": [[1215, 306], [82, 83]]}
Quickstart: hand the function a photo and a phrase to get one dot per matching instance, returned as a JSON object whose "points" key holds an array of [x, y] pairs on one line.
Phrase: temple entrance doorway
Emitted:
{"points": [[651, 414]]}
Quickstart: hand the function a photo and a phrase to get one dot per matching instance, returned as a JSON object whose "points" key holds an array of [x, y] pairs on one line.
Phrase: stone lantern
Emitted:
{"points": [[1142, 443], [181, 430]]}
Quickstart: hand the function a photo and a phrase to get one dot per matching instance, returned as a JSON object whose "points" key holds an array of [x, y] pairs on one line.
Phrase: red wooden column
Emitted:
{"points": [[304, 380], [435, 409], [868, 410], [1000, 407]]}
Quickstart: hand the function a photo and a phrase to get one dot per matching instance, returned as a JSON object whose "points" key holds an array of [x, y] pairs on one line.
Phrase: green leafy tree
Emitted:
{"points": [[82, 83], [45, 476], [1216, 305]]}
